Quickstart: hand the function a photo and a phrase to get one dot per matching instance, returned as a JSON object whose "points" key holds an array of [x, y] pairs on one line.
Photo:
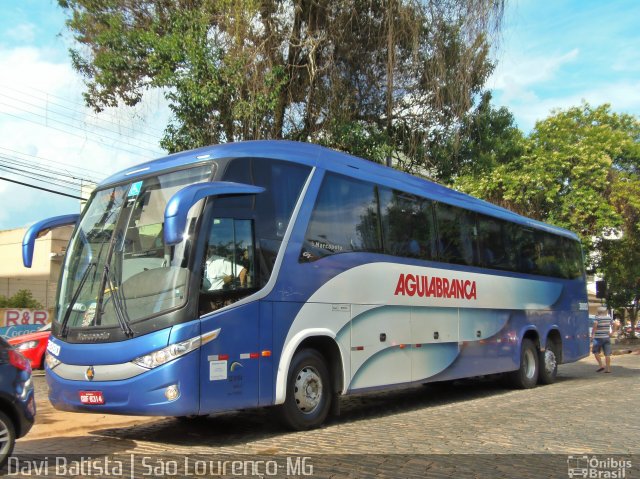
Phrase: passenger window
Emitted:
{"points": [[228, 269], [551, 257], [573, 252], [526, 249], [407, 225], [495, 248], [457, 235], [344, 219]]}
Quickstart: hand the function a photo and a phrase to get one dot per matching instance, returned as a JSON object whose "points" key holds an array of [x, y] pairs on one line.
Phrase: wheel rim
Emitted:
{"points": [[549, 362], [529, 364], [5, 439], [308, 389]]}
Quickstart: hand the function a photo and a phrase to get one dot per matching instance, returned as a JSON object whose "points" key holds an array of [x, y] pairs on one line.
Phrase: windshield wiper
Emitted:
{"points": [[118, 303], [63, 325]]}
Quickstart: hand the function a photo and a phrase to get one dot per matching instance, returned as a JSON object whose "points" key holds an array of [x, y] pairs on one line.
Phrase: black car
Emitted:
{"points": [[17, 401]]}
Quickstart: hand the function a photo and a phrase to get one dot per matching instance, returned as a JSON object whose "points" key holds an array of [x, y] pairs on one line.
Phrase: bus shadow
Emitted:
{"points": [[241, 427]]}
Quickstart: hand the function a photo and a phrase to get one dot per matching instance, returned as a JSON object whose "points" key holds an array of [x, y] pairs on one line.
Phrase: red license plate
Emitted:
{"points": [[91, 397]]}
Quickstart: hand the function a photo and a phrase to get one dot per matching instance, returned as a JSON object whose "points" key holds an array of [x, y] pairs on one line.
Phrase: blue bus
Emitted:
{"points": [[275, 273]]}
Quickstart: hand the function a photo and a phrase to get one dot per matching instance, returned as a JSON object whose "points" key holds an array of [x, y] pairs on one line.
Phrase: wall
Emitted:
{"points": [[42, 278]]}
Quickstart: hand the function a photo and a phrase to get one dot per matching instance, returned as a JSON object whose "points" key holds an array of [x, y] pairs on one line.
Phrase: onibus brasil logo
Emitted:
{"points": [[597, 467]]}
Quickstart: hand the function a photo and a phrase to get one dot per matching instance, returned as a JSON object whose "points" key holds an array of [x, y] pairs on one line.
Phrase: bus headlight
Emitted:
{"points": [[50, 360], [174, 351]]}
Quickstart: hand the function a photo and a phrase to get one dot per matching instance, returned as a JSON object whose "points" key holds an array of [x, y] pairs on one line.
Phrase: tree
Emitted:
{"points": [[22, 299], [377, 78], [580, 169], [566, 173], [486, 138], [620, 259]]}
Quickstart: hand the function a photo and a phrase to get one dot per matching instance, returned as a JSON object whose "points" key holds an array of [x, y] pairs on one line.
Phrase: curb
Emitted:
{"points": [[620, 352]]}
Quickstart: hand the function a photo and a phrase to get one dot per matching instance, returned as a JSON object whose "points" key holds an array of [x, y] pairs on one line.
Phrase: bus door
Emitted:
{"points": [[230, 366]]}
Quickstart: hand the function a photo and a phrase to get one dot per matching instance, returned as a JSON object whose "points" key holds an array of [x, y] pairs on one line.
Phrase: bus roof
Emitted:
{"points": [[331, 160]]}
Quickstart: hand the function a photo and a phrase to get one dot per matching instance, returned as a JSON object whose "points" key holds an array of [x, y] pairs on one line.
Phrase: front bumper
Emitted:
{"points": [[141, 395]]}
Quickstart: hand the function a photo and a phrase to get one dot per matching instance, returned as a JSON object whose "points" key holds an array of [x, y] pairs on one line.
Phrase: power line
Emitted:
{"points": [[100, 135], [101, 116], [79, 136], [49, 112], [16, 163], [39, 179], [66, 166], [20, 163], [43, 189]]}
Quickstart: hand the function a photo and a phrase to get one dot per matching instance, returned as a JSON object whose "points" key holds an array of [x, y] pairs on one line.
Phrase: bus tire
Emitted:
{"points": [[308, 396], [526, 376], [548, 361]]}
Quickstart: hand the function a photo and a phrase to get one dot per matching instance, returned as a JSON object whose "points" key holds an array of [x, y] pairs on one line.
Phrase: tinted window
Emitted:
{"points": [[270, 210], [344, 219], [457, 235], [525, 248], [550, 259], [573, 258], [494, 243], [407, 225]]}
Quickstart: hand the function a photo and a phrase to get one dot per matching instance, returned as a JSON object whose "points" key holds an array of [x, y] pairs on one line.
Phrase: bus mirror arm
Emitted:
{"points": [[175, 214], [38, 229]]}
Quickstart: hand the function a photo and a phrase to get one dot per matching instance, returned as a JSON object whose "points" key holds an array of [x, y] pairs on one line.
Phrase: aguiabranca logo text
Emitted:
{"points": [[435, 287]]}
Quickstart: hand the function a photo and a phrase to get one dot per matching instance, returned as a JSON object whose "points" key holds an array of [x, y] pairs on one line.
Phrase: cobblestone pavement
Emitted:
{"points": [[395, 434]]}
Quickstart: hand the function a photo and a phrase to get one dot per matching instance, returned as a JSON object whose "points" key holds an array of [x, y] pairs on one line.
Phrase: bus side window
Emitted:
{"points": [[457, 235], [494, 243], [526, 249], [407, 225], [344, 219]]}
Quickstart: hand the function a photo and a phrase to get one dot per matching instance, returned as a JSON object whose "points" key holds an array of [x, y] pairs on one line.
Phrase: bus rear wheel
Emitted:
{"points": [[526, 376], [548, 364], [308, 396]]}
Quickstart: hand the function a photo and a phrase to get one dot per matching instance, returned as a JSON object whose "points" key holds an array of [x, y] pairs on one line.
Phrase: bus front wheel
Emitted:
{"points": [[308, 396], [526, 376]]}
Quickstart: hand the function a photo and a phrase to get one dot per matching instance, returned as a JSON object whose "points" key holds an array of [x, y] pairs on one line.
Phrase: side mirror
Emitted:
{"points": [[175, 214], [39, 229]]}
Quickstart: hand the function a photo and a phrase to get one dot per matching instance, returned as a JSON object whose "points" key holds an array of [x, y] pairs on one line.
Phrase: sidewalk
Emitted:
{"points": [[617, 348]]}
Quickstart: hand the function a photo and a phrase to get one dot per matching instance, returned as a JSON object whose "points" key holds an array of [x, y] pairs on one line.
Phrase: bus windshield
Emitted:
{"points": [[118, 269]]}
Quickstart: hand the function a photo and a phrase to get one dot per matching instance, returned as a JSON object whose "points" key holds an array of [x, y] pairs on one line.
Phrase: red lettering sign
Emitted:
{"points": [[435, 287], [11, 317]]}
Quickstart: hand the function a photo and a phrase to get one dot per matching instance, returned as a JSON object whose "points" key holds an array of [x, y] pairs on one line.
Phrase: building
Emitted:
{"points": [[42, 278]]}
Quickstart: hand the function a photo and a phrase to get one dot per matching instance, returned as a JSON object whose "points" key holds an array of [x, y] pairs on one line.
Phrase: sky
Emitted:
{"points": [[555, 54], [550, 54]]}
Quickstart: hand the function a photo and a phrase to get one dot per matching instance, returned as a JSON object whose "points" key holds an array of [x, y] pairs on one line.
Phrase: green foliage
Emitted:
{"points": [[486, 138], [22, 299], [620, 259], [579, 169], [374, 78], [565, 175]]}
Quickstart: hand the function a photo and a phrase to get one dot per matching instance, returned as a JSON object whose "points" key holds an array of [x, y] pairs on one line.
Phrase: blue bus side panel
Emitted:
{"points": [[230, 366], [267, 381], [283, 315]]}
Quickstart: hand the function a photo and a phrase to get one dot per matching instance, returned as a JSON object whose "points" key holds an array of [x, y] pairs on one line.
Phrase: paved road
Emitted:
{"points": [[419, 432]]}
